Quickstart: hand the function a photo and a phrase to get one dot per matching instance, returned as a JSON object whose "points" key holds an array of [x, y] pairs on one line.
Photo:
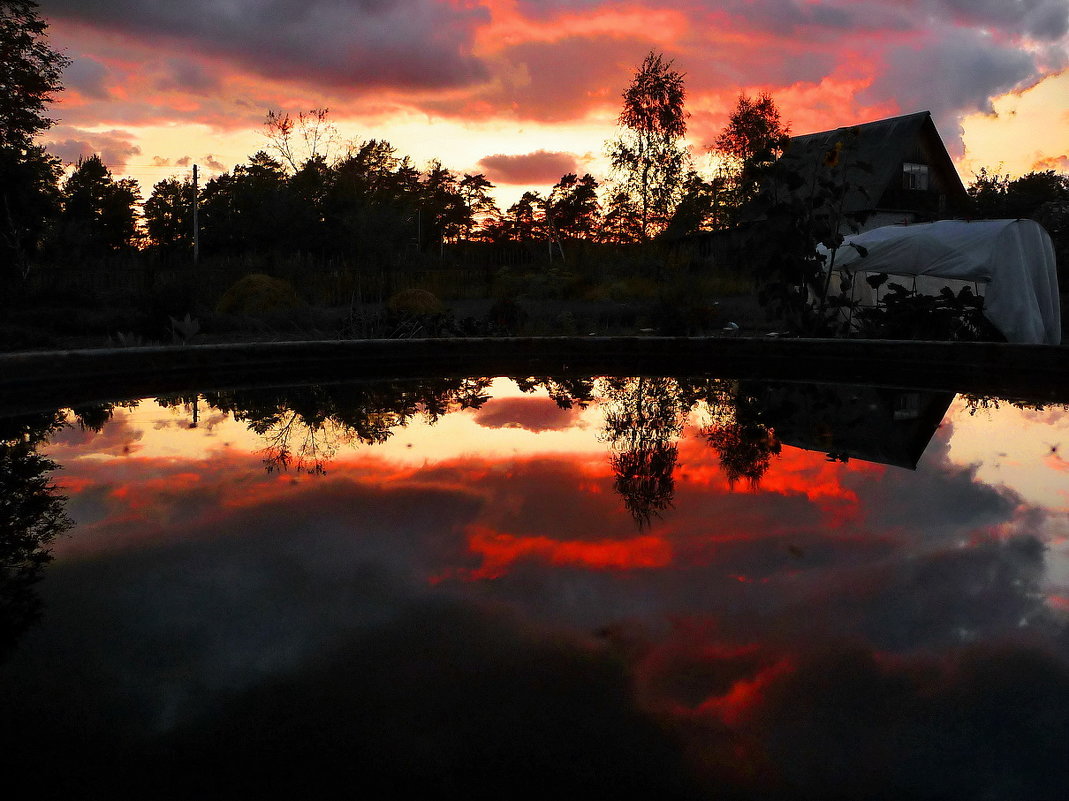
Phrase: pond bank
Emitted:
{"points": [[39, 380]]}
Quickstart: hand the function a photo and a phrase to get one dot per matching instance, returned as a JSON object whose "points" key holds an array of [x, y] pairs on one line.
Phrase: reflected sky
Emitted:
{"points": [[471, 603]]}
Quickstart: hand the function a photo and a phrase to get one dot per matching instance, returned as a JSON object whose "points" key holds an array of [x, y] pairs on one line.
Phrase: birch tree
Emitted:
{"points": [[648, 160]]}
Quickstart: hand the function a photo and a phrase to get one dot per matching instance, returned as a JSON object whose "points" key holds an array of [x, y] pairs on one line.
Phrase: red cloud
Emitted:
{"points": [[499, 551], [540, 167]]}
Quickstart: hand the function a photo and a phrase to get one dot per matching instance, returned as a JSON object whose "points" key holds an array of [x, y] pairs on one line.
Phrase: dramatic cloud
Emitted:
{"points": [[951, 74], [503, 64], [415, 44], [540, 167], [189, 76], [559, 80], [1039, 19], [115, 148], [88, 77]]}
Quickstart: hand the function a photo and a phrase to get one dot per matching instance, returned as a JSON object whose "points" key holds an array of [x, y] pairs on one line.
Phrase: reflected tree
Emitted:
{"points": [[567, 393], [31, 517], [304, 427], [975, 403], [745, 450], [643, 420], [744, 444]]}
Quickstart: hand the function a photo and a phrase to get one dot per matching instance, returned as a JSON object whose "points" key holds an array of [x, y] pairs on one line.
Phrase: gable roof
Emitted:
{"points": [[883, 145]]}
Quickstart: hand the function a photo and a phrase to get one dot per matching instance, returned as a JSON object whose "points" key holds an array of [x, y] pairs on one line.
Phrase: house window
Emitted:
{"points": [[907, 406], [914, 176]]}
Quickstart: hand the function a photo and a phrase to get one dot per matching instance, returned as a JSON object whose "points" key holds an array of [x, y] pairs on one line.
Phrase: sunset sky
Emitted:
{"points": [[526, 90]]}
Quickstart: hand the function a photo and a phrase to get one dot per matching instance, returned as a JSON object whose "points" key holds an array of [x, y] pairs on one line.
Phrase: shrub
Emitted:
{"points": [[257, 294], [414, 302]]}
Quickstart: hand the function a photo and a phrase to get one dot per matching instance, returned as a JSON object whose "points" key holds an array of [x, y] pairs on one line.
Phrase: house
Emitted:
{"points": [[897, 170]]}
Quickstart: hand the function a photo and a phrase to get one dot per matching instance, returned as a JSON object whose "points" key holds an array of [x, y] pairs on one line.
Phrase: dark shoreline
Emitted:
{"points": [[34, 381]]}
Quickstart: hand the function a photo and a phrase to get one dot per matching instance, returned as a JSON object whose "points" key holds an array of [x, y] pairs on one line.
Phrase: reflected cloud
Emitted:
{"points": [[530, 414], [499, 620]]}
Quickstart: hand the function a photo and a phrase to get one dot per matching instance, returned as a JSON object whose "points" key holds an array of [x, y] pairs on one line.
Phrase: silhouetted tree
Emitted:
{"points": [[307, 137], [622, 221], [525, 220], [169, 215], [755, 133], [248, 210], [445, 215], [373, 204], [99, 214], [648, 161], [30, 75], [479, 204], [307, 195], [573, 203], [997, 196], [29, 203], [705, 205], [754, 137]]}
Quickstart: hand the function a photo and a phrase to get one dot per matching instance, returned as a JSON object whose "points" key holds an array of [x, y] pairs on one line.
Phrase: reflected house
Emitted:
{"points": [[873, 424]]}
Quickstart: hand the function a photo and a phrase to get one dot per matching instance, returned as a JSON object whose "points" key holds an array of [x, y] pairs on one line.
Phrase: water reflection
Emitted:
{"points": [[585, 590], [31, 517], [303, 427]]}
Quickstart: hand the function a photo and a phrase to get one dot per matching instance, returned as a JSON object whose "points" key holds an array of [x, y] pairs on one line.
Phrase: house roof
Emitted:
{"points": [[883, 145]]}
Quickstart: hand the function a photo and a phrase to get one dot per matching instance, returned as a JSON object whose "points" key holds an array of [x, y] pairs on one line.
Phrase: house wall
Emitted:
{"points": [[944, 198]]}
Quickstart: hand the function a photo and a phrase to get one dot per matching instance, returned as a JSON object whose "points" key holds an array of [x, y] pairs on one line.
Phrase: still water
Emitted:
{"points": [[526, 589]]}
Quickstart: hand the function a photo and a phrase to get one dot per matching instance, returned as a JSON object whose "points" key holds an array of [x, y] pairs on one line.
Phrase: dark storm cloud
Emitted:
{"points": [[952, 500], [187, 75], [957, 73], [87, 77], [1039, 19], [531, 414], [409, 44], [539, 167]]}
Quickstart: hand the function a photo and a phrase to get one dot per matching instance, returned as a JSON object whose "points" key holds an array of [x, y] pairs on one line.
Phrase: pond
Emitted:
{"points": [[521, 588]]}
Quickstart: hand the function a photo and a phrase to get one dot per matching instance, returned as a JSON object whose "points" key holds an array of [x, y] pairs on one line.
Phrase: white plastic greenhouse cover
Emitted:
{"points": [[1014, 258]]}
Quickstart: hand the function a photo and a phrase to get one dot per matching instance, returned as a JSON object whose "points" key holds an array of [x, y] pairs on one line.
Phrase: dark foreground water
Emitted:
{"points": [[590, 589]]}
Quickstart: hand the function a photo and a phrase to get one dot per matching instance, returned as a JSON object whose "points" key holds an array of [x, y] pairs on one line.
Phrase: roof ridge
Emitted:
{"points": [[884, 121]]}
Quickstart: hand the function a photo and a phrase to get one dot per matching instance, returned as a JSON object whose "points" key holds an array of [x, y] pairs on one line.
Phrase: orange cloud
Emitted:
{"points": [[1056, 163]]}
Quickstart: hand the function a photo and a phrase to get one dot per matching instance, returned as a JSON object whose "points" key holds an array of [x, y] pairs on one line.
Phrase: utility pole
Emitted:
{"points": [[196, 221]]}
